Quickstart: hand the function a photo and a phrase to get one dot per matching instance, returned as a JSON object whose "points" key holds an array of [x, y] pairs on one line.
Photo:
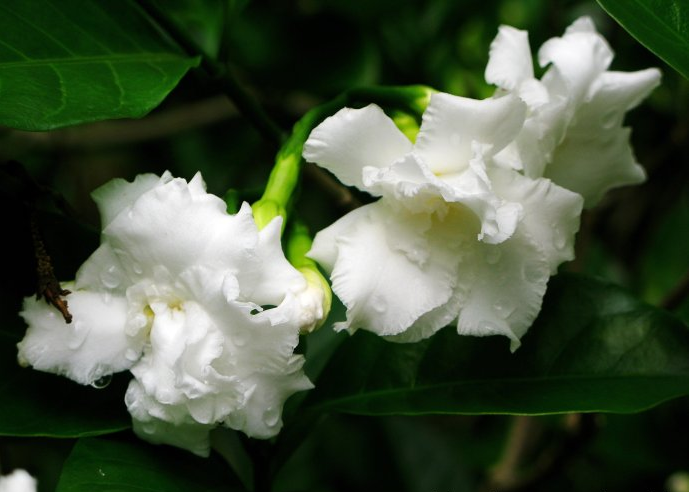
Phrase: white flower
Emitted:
{"points": [[452, 237], [201, 306], [18, 481], [573, 132]]}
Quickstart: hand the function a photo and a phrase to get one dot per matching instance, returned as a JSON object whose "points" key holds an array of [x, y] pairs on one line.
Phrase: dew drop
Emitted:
{"points": [[102, 382], [106, 296], [531, 272], [271, 416], [504, 307], [137, 268], [493, 255], [110, 278], [380, 305], [78, 336], [101, 472], [559, 239], [131, 355], [488, 328], [239, 340]]}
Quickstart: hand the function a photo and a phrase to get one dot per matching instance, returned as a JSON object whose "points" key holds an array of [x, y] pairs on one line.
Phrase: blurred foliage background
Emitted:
{"points": [[293, 55]]}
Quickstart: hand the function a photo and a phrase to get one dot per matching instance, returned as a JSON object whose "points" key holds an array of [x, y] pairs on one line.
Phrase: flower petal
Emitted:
{"points": [[92, 346], [510, 62], [550, 213], [165, 424], [390, 269], [452, 126], [352, 139], [174, 226], [577, 58], [505, 285], [591, 165], [118, 194]]}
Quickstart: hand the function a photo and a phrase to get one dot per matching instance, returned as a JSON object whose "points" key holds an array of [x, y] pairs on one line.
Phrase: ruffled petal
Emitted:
{"points": [[390, 269], [505, 284], [577, 58], [174, 226], [92, 346], [592, 165], [165, 424], [452, 127], [550, 213], [118, 194], [353, 139], [510, 62]]}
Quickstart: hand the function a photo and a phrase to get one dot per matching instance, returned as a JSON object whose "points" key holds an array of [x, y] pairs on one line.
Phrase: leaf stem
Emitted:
{"points": [[220, 74]]}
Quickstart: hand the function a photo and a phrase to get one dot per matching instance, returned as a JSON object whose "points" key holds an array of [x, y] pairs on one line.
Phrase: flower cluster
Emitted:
{"points": [[477, 213], [200, 306]]}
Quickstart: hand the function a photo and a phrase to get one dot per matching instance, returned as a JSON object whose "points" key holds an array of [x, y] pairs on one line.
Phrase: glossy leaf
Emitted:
{"points": [[660, 25], [38, 404], [106, 465], [593, 348], [64, 63]]}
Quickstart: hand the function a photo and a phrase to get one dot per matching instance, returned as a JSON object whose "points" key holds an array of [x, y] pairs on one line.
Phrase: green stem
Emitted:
{"points": [[284, 178], [219, 73]]}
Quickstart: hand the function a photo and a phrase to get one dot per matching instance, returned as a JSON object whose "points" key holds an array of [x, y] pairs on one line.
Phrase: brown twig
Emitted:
{"points": [[48, 286]]}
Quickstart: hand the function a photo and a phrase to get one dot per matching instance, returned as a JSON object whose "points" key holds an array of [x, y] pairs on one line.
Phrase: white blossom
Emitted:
{"points": [[201, 307], [18, 481], [573, 131], [452, 237]]}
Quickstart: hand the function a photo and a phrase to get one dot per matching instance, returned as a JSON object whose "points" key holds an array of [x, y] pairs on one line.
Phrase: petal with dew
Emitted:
{"points": [[505, 284], [592, 165], [551, 213], [453, 125], [92, 346], [388, 271], [353, 139]]}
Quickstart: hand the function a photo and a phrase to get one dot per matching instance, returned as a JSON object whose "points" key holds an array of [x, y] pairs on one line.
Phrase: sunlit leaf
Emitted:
{"points": [[660, 25], [64, 63]]}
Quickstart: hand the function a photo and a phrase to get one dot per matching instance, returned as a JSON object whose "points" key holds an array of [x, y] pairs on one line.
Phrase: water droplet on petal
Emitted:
{"points": [[106, 296], [271, 416], [493, 255], [137, 268], [504, 307], [532, 272], [78, 335], [131, 354], [488, 328], [102, 382], [110, 278], [559, 239], [379, 303]]}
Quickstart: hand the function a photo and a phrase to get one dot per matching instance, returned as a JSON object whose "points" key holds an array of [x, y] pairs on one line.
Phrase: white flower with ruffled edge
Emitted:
{"points": [[18, 481], [452, 236], [201, 306], [573, 132]]}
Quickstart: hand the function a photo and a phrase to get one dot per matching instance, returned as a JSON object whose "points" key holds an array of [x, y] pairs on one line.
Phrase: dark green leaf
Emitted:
{"points": [[593, 348], [105, 465], [37, 404], [64, 63], [660, 25]]}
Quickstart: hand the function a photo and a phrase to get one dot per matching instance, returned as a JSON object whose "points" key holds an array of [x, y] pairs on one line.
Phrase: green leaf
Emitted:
{"points": [[660, 25], [38, 404], [64, 63], [593, 348], [105, 465]]}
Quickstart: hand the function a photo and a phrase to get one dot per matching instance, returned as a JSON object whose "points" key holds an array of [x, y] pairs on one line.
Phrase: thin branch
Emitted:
{"points": [[219, 73], [120, 132]]}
